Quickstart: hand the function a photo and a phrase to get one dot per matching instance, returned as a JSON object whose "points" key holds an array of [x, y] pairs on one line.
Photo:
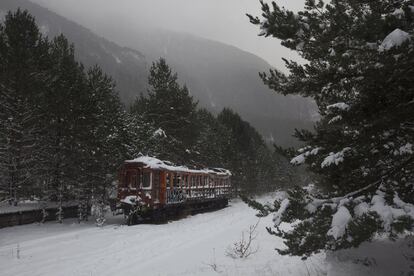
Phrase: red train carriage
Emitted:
{"points": [[151, 189]]}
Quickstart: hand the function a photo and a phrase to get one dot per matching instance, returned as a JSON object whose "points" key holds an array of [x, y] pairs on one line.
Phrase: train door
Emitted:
{"points": [[163, 187], [132, 180], [156, 185]]}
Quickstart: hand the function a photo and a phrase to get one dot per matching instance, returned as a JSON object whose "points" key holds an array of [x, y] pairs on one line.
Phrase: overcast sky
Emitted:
{"points": [[221, 20]]}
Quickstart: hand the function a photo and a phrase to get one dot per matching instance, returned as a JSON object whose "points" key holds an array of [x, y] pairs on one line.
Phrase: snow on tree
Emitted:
{"points": [[21, 76], [63, 129], [168, 107], [247, 155], [359, 70], [106, 138]]}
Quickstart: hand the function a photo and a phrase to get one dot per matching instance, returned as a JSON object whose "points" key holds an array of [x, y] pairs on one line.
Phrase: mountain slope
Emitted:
{"points": [[218, 75], [126, 66], [221, 75]]}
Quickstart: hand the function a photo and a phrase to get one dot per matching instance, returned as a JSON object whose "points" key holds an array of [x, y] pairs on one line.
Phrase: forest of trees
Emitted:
{"points": [[65, 131], [360, 72]]}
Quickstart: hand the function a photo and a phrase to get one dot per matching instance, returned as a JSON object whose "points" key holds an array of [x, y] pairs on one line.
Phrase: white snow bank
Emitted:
{"points": [[339, 223], [193, 246], [382, 257], [187, 247], [394, 39]]}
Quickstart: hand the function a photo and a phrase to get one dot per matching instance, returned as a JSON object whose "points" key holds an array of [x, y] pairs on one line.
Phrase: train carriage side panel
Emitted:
{"points": [[163, 187]]}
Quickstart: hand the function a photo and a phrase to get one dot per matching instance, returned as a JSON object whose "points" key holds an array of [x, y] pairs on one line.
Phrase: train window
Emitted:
{"points": [[131, 180], [185, 181], [176, 180], [156, 184], [146, 180], [168, 181]]}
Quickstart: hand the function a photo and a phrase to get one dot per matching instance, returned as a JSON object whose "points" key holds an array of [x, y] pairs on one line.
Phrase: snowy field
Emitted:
{"points": [[192, 246]]}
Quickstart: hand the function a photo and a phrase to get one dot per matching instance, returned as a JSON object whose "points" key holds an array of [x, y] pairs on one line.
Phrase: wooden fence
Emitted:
{"points": [[36, 215]]}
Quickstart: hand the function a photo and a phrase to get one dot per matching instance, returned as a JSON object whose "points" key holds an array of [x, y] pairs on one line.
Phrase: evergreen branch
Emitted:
{"points": [[367, 187]]}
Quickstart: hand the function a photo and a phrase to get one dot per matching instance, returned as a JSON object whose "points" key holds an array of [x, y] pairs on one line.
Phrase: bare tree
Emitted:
{"points": [[243, 248]]}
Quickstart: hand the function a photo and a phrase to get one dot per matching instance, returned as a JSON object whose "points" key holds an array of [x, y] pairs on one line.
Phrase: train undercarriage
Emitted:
{"points": [[146, 214]]}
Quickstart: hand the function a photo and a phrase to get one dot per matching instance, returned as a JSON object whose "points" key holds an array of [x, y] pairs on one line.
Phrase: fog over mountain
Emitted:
{"points": [[126, 66], [220, 75], [218, 20], [217, 74]]}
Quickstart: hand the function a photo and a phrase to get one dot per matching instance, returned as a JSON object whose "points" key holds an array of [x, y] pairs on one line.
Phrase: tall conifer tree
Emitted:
{"points": [[359, 70], [171, 110], [23, 67]]}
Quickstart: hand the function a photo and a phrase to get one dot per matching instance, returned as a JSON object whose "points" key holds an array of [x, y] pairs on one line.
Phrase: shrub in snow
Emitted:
{"points": [[360, 57], [59, 214], [244, 247], [98, 210], [82, 211]]}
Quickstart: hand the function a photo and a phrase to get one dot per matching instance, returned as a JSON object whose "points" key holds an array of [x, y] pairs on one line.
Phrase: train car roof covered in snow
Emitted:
{"points": [[157, 164]]}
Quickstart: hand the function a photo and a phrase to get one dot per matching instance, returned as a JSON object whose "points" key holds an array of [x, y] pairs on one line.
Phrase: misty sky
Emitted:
{"points": [[221, 20]]}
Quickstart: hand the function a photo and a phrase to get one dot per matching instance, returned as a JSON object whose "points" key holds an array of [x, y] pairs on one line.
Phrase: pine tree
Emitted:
{"points": [[359, 70], [171, 110], [212, 142], [22, 51], [107, 139], [65, 113], [246, 154]]}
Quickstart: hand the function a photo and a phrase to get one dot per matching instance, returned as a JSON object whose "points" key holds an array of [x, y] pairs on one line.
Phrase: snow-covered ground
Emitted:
{"points": [[192, 246]]}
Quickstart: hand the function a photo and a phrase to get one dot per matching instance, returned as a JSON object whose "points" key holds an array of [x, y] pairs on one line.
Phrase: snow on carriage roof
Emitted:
{"points": [[155, 163]]}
